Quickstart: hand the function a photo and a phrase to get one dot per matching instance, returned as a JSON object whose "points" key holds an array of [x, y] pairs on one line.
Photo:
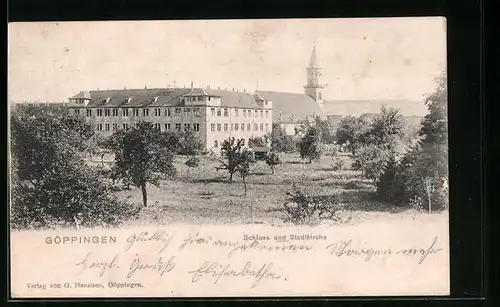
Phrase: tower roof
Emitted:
{"points": [[313, 62]]}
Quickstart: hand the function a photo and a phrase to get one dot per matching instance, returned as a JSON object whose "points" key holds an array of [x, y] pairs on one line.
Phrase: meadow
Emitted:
{"points": [[203, 195]]}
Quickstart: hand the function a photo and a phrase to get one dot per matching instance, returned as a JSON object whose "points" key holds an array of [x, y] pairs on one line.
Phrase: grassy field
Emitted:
{"points": [[205, 195]]}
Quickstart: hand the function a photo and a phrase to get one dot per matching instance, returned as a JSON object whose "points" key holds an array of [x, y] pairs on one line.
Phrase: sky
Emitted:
{"points": [[370, 58]]}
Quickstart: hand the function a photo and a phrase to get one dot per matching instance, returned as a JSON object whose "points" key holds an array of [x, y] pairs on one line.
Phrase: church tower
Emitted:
{"points": [[314, 88]]}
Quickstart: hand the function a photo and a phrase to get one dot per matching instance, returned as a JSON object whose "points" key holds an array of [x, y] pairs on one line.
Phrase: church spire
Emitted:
{"points": [[313, 62], [314, 88]]}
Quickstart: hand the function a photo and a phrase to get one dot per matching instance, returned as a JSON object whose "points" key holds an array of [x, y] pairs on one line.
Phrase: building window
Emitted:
{"points": [[145, 112], [216, 144], [187, 111], [125, 126], [136, 112], [219, 127], [255, 127], [124, 112], [242, 127], [89, 112], [249, 127], [236, 127], [236, 112], [106, 127], [267, 113], [212, 127], [157, 112], [187, 127], [99, 127], [261, 127], [107, 112], [76, 111], [219, 112], [177, 112], [242, 142], [244, 113], [167, 112], [319, 95], [226, 127], [115, 112], [249, 113], [167, 127], [226, 112], [212, 110], [158, 127], [196, 127], [261, 113], [196, 112], [178, 127], [115, 127], [267, 127]]}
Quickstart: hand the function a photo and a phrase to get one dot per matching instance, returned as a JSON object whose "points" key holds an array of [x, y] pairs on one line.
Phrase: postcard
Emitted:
{"points": [[228, 158]]}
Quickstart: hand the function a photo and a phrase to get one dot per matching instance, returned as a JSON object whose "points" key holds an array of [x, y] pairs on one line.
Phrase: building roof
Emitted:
{"points": [[292, 107], [164, 97]]}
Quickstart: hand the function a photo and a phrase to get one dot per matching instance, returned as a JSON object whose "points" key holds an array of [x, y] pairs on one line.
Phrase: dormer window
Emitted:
{"points": [[156, 99], [129, 99], [108, 99]]}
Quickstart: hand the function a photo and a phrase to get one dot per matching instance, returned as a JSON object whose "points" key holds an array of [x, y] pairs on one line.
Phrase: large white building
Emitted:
{"points": [[213, 114]]}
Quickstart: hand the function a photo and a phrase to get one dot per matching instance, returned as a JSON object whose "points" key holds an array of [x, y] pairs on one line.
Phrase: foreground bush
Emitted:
{"points": [[302, 208]]}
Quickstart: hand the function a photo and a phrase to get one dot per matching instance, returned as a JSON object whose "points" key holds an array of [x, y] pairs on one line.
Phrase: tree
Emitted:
{"points": [[309, 144], [52, 186], [243, 167], [386, 129], [423, 168], [327, 136], [281, 142], [272, 159], [234, 155], [188, 143], [143, 154], [371, 160], [349, 131], [193, 161]]}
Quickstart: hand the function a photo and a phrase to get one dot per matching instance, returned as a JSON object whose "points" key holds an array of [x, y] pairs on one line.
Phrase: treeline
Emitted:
{"points": [[414, 173]]}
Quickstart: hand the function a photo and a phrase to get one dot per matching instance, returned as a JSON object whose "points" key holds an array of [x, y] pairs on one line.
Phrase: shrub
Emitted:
{"points": [[304, 209]]}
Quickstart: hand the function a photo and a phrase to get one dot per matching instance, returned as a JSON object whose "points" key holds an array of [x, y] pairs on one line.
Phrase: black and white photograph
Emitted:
{"points": [[225, 158]]}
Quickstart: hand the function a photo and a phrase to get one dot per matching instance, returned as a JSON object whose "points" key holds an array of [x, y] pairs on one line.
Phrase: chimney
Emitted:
{"points": [[233, 89], [125, 87], [244, 90], [218, 87], [191, 84], [145, 87]]}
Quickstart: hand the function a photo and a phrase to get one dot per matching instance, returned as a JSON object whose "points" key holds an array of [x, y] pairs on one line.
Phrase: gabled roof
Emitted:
{"points": [[201, 92], [292, 107], [236, 99], [165, 97]]}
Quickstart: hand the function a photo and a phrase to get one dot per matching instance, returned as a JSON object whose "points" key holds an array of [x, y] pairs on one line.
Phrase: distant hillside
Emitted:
{"points": [[358, 107]]}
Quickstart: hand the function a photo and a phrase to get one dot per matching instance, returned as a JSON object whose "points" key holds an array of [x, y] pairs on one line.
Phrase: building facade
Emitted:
{"points": [[213, 115]]}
